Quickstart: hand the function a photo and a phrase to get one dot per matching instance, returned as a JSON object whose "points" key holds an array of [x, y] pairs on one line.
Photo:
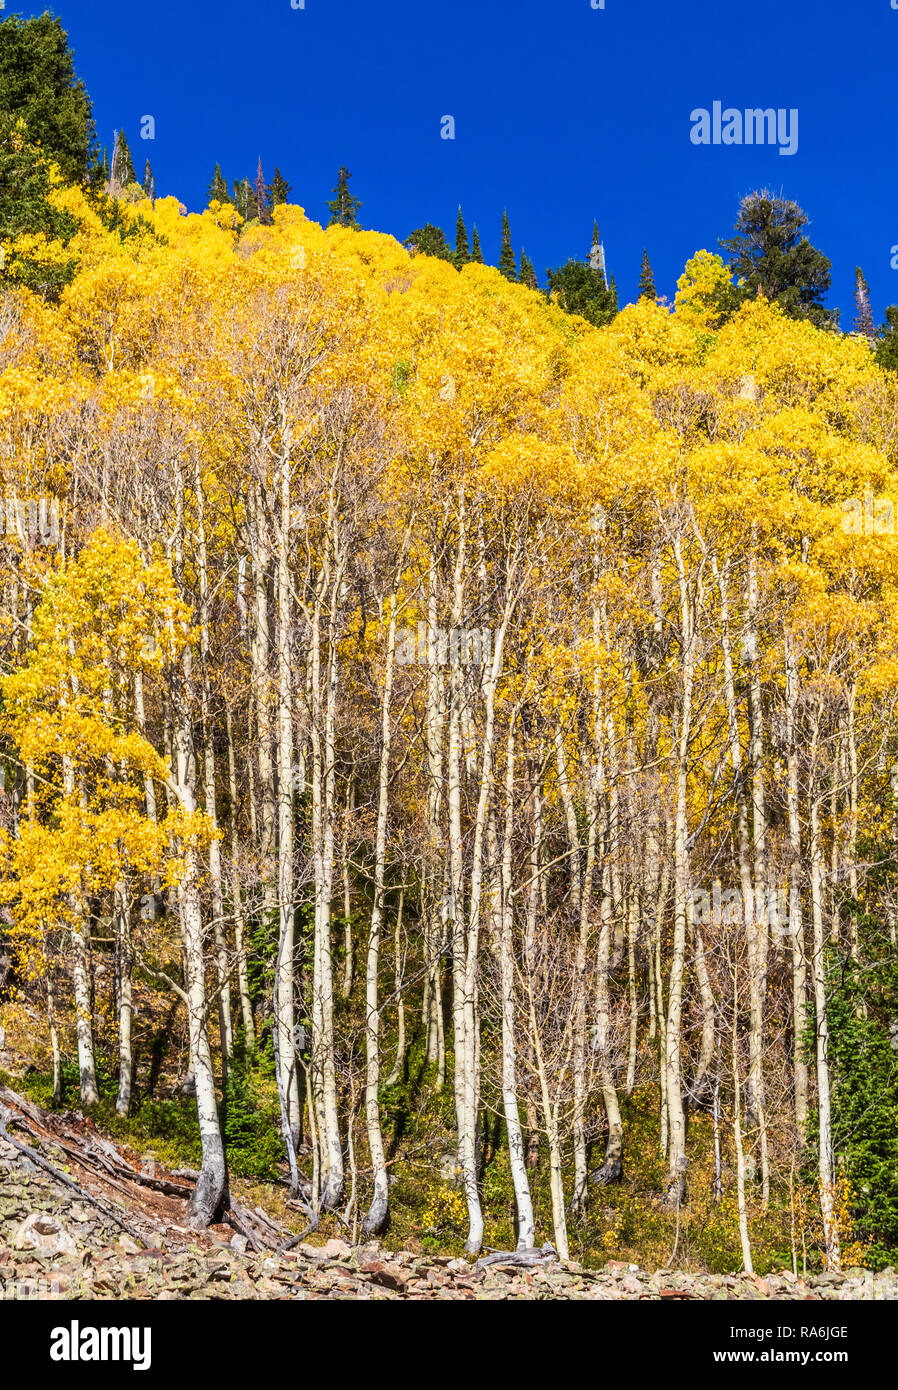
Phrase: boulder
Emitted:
{"points": [[43, 1233]]}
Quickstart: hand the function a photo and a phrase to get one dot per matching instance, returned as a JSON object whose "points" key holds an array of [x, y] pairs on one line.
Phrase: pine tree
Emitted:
{"points": [[429, 241], [462, 251], [122, 171], [38, 84], [507, 266], [887, 349], [218, 188], [860, 1009], [770, 255], [261, 195], [527, 274], [344, 206], [863, 321], [149, 183], [647, 279], [476, 253], [580, 287], [280, 189]]}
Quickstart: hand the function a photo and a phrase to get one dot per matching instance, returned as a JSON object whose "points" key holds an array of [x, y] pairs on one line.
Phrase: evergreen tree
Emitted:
{"points": [[476, 253], [218, 188], [527, 274], [507, 266], [647, 279], [580, 288], [122, 172], [770, 255], [38, 84], [863, 319], [261, 196], [462, 251], [344, 206], [25, 182], [429, 241], [149, 183], [887, 348], [280, 189], [862, 1006]]}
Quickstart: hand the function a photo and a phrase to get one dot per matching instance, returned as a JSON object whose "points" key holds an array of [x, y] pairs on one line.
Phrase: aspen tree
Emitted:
{"points": [[377, 1212], [677, 1158]]}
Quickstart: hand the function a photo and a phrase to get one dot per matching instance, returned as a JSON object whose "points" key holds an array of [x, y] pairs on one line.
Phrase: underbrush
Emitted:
{"points": [[627, 1221]]}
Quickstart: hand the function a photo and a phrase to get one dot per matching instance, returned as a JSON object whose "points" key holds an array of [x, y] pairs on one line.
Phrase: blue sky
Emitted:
{"points": [[562, 114]]}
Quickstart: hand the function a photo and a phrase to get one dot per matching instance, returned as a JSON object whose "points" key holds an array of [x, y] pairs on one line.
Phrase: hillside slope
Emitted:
{"points": [[55, 1243]]}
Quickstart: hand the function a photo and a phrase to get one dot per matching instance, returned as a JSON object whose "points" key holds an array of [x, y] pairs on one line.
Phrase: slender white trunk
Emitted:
{"points": [[759, 937], [796, 922], [398, 961], [673, 1081], [246, 1007], [125, 1008], [826, 1159], [517, 1161], [737, 1136], [324, 697], [284, 1019], [211, 1187], [377, 1212]]}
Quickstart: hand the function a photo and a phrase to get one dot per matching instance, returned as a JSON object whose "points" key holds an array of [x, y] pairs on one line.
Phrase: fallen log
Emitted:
{"points": [[522, 1259], [35, 1156], [96, 1156]]}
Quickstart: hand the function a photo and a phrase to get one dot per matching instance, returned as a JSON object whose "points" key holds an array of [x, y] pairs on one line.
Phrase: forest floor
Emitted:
{"points": [[83, 1218]]}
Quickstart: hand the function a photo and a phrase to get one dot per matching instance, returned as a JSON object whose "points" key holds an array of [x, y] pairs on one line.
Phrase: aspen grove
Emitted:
{"points": [[420, 679]]}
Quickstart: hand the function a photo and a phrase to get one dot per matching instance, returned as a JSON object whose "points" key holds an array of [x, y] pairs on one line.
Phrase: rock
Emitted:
{"points": [[239, 1243], [391, 1278], [129, 1244], [43, 1233], [334, 1249], [447, 1167]]}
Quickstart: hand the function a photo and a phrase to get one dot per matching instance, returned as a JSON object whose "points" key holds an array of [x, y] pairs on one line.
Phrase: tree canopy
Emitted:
{"points": [[38, 84]]}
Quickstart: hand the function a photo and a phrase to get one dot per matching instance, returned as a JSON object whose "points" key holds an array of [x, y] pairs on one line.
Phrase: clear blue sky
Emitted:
{"points": [[563, 114]]}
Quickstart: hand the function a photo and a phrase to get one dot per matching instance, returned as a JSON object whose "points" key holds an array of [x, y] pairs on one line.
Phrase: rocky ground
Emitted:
{"points": [[116, 1238]]}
